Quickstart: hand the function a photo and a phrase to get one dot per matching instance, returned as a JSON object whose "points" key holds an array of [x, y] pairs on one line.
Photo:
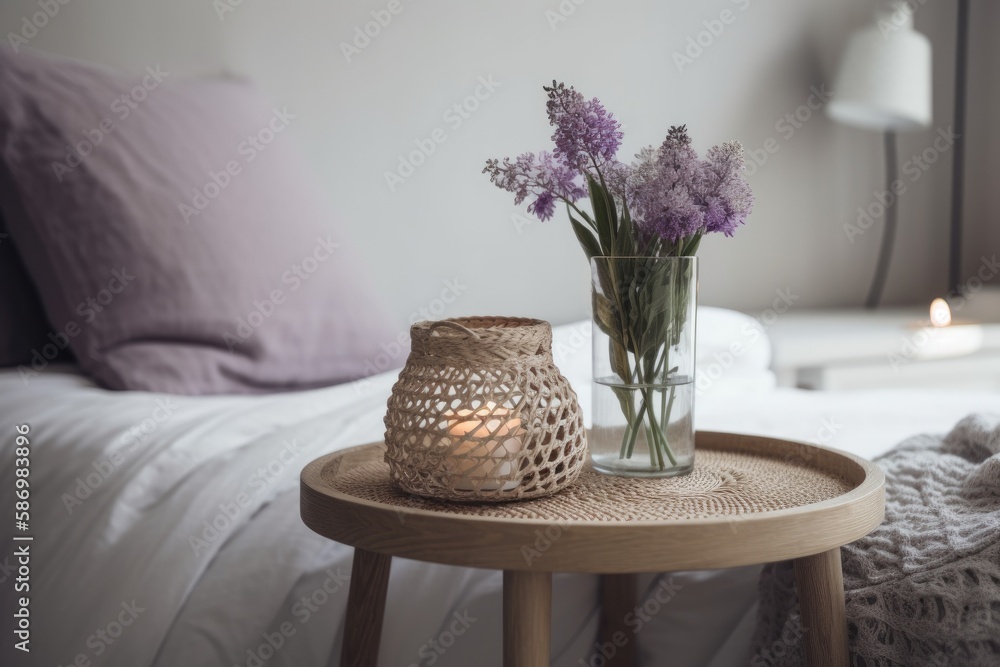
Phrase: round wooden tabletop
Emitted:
{"points": [[749, 500]]}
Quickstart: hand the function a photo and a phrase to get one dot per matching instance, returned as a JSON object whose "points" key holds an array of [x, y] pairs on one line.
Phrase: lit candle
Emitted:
{"points": [[483, 447], [940, 313]]}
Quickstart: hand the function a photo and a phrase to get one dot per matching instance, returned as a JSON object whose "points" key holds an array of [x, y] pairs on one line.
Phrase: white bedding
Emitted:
{"points": [[158, 468]]}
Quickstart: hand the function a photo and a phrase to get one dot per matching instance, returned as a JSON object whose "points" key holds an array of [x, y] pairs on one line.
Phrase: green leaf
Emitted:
{"points": [[606, 317], [586, 238], [625, 401], [586, 218], [625, 241], [690, 247], [604, 276], [605, 217], [619, 361]]}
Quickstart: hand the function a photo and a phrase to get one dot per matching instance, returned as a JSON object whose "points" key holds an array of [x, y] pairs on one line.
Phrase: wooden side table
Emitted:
{"points": [[749, 500]]}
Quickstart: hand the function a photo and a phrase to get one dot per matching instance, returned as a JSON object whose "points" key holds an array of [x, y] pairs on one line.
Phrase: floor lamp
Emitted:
{"points": [[884, 84]]}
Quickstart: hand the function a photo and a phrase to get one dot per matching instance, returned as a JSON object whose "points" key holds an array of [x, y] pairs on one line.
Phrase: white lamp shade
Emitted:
{"points": [[884, 81]]}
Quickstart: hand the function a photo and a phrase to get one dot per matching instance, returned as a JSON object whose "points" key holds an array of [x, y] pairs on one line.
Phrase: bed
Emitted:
{"points": [[167, 529]]}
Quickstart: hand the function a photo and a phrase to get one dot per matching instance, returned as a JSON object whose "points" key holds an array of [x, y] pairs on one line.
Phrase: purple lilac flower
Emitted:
{"points": [[619, 178], [543, 206], [674, 195], [586, 135], [541, 176], [671, 193], [728, 198], [678, 160], [664, 197]]}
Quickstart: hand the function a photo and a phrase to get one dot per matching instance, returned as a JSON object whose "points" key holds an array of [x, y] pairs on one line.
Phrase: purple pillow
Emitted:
{"points": [[175, 234]]}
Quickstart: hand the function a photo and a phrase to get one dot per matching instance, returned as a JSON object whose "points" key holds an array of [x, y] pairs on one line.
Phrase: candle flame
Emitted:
{"points": [[483, 445], [940, 313], [486, 422]]}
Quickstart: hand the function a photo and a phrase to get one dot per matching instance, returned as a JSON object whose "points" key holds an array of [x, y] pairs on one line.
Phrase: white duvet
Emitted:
{"points": [[167, 529]]}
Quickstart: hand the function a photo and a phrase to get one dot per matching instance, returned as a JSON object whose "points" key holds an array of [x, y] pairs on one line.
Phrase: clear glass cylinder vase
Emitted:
{"points": [[644, 319]]}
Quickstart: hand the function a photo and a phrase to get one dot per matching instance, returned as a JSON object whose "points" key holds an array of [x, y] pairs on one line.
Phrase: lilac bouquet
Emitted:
{"points": [[658, 206]]}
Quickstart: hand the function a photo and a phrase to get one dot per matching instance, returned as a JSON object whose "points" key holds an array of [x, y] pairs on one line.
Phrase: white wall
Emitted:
{"points": [[447, 222]]}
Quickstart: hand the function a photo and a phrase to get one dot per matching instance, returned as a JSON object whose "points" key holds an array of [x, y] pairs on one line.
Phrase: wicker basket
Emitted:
{"points": [[481, 413]]}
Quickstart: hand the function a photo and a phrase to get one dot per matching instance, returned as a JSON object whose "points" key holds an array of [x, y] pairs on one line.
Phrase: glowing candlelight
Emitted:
{"points": [[483, 447], [940, 313]]}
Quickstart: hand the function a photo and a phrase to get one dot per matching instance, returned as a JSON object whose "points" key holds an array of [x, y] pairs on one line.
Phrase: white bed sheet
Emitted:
{"points": [[157, 468]]}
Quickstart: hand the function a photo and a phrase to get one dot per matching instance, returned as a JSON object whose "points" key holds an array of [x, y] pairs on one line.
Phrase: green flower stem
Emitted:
{"points": [[655, 458], [660, 440], [634, 422], [656, 439], [631, 430]]}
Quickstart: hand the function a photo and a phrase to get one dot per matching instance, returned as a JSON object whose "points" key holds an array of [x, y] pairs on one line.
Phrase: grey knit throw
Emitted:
{"points": [[924, 587]]}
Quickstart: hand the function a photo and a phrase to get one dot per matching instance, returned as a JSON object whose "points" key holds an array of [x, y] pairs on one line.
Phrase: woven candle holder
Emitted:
{"points": [[481, 413]]}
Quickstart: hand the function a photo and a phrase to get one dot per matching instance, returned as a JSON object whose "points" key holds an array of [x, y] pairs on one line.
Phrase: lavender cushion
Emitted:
{"points": [[174, 228]]}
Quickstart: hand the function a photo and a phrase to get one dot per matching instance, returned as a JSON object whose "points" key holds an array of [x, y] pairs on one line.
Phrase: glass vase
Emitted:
{"points": [[643, 387]]}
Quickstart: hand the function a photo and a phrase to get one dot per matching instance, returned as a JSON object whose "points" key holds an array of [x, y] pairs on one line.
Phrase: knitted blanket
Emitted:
{"points": [[924, 587]]}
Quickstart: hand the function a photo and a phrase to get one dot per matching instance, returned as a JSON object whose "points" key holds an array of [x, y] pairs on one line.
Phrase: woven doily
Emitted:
{"points": [[722, 484]]}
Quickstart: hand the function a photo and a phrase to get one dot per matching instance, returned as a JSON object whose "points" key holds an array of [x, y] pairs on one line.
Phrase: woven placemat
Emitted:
{"points": [[722, 484]]}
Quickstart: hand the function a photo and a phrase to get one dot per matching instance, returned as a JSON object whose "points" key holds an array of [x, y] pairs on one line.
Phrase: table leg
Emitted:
{"points": [[527, 618], [618, 599], [365, 609], [820, 583]]}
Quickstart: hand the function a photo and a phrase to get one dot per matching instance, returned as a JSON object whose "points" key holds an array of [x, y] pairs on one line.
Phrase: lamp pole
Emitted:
{"points": [[891, 219], [958, 157]]}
